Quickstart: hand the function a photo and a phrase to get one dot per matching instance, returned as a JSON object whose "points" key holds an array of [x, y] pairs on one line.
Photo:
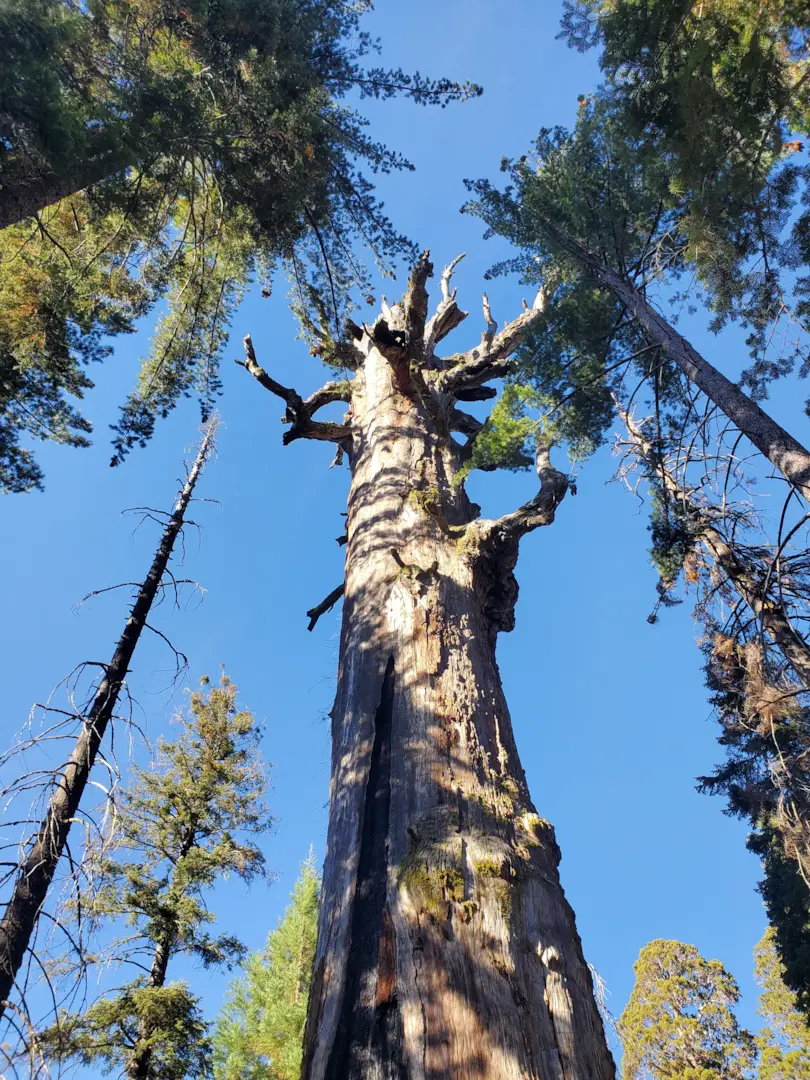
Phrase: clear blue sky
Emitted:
{"points": [[610, 714]]}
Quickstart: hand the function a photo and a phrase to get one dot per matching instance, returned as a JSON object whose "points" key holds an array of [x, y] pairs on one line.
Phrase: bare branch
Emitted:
{"points": [[326, 605], [416, 304], [299, 412], [448, 314], [483, 364]]}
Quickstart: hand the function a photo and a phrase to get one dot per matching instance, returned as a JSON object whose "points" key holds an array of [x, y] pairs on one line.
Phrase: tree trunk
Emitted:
{"points": [[750, 587], [446, 946], [23, 196], [39, 865], [780, 448], [141, 1060]]}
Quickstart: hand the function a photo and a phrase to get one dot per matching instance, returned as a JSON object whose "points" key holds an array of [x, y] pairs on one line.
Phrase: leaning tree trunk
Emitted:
{"points": [[784, 452], [446, 947], [39, 864]]}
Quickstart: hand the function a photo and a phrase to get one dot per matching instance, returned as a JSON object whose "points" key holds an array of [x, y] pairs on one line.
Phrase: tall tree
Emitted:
{"points": [[590, 214], [260, 1032], [719, 92], [41, 854], [446, 946], [215, 143], [784, 1042], [680, 1021], [189, 820]]}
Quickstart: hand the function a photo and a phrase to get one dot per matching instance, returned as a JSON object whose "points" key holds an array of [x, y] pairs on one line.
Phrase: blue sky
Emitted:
{"points": [[610, 714]]}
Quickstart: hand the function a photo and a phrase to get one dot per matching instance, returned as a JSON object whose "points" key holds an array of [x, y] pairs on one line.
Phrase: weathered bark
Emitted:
{"points": [[780, 448], [446, 946], [39, 864], [749, 587], [23, 196]]}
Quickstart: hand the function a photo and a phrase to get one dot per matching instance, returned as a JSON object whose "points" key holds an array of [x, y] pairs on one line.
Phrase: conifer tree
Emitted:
{"points": [[260, 1032], [446, 946], [41, 853], [680, 1021], [784, 1042], [212, 143], [720, 91], [189, 820]]}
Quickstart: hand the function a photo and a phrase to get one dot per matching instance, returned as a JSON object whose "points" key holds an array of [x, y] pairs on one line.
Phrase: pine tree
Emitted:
{"points": [[211, 143], [784, 1043], [42, 853], [260, 1032], [446, 945], [187, 821], [680, 1022]]}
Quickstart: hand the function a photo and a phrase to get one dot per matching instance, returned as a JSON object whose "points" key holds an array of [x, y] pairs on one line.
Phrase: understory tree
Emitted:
{"points": [[186, 822], [166, 155], [32, 860], [680, 1020], [591, 216], [259, 1034], [446, 946]]}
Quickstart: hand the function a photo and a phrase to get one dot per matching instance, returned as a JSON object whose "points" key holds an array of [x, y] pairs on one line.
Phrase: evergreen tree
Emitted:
{"points": [[680, 1022], [784, 1043], [214, 143], [259, 1034], [719, 91], [187, 821], [446, 946]]}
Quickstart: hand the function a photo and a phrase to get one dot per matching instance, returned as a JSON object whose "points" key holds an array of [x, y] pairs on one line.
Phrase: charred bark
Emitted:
{"points": [[446, 946], [39, 864]]}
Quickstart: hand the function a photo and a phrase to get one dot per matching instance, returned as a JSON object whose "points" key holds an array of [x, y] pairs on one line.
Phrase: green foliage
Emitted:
{"points": [[186, 822], [764, 779], [163, 1023], [259, 1033], [215, 143], [717, 91], [680, 1022], [784, 1043]]}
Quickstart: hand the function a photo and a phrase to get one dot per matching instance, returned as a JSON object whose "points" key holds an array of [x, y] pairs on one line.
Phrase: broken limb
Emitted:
{"points": [[491, 359], [325, 605], [448, 314], [299, 411]]}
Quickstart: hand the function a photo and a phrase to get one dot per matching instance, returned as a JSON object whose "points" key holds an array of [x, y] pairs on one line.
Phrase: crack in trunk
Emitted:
{"points": [[369, 1030]]}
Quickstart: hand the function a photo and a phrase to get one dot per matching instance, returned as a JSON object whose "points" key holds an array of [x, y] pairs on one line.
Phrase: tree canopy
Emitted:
{"points": [[189, 820], [211, 143], [680, 1018]]}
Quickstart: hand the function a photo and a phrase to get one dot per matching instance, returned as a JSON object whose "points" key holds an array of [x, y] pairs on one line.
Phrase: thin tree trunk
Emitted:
{"points": [[446, 947], [39, 865], [771, 615], [141, 1060], [780, 448]]}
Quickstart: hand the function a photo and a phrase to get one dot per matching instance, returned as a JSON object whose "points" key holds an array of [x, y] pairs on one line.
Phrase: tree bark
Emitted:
{"points": [[446, 946], [22, 196], [39, 864], [780, 448]]}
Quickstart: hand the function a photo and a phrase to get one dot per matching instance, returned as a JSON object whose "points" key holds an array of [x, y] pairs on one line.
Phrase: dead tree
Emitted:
{"points": [[446, 946], [41, 858]]}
